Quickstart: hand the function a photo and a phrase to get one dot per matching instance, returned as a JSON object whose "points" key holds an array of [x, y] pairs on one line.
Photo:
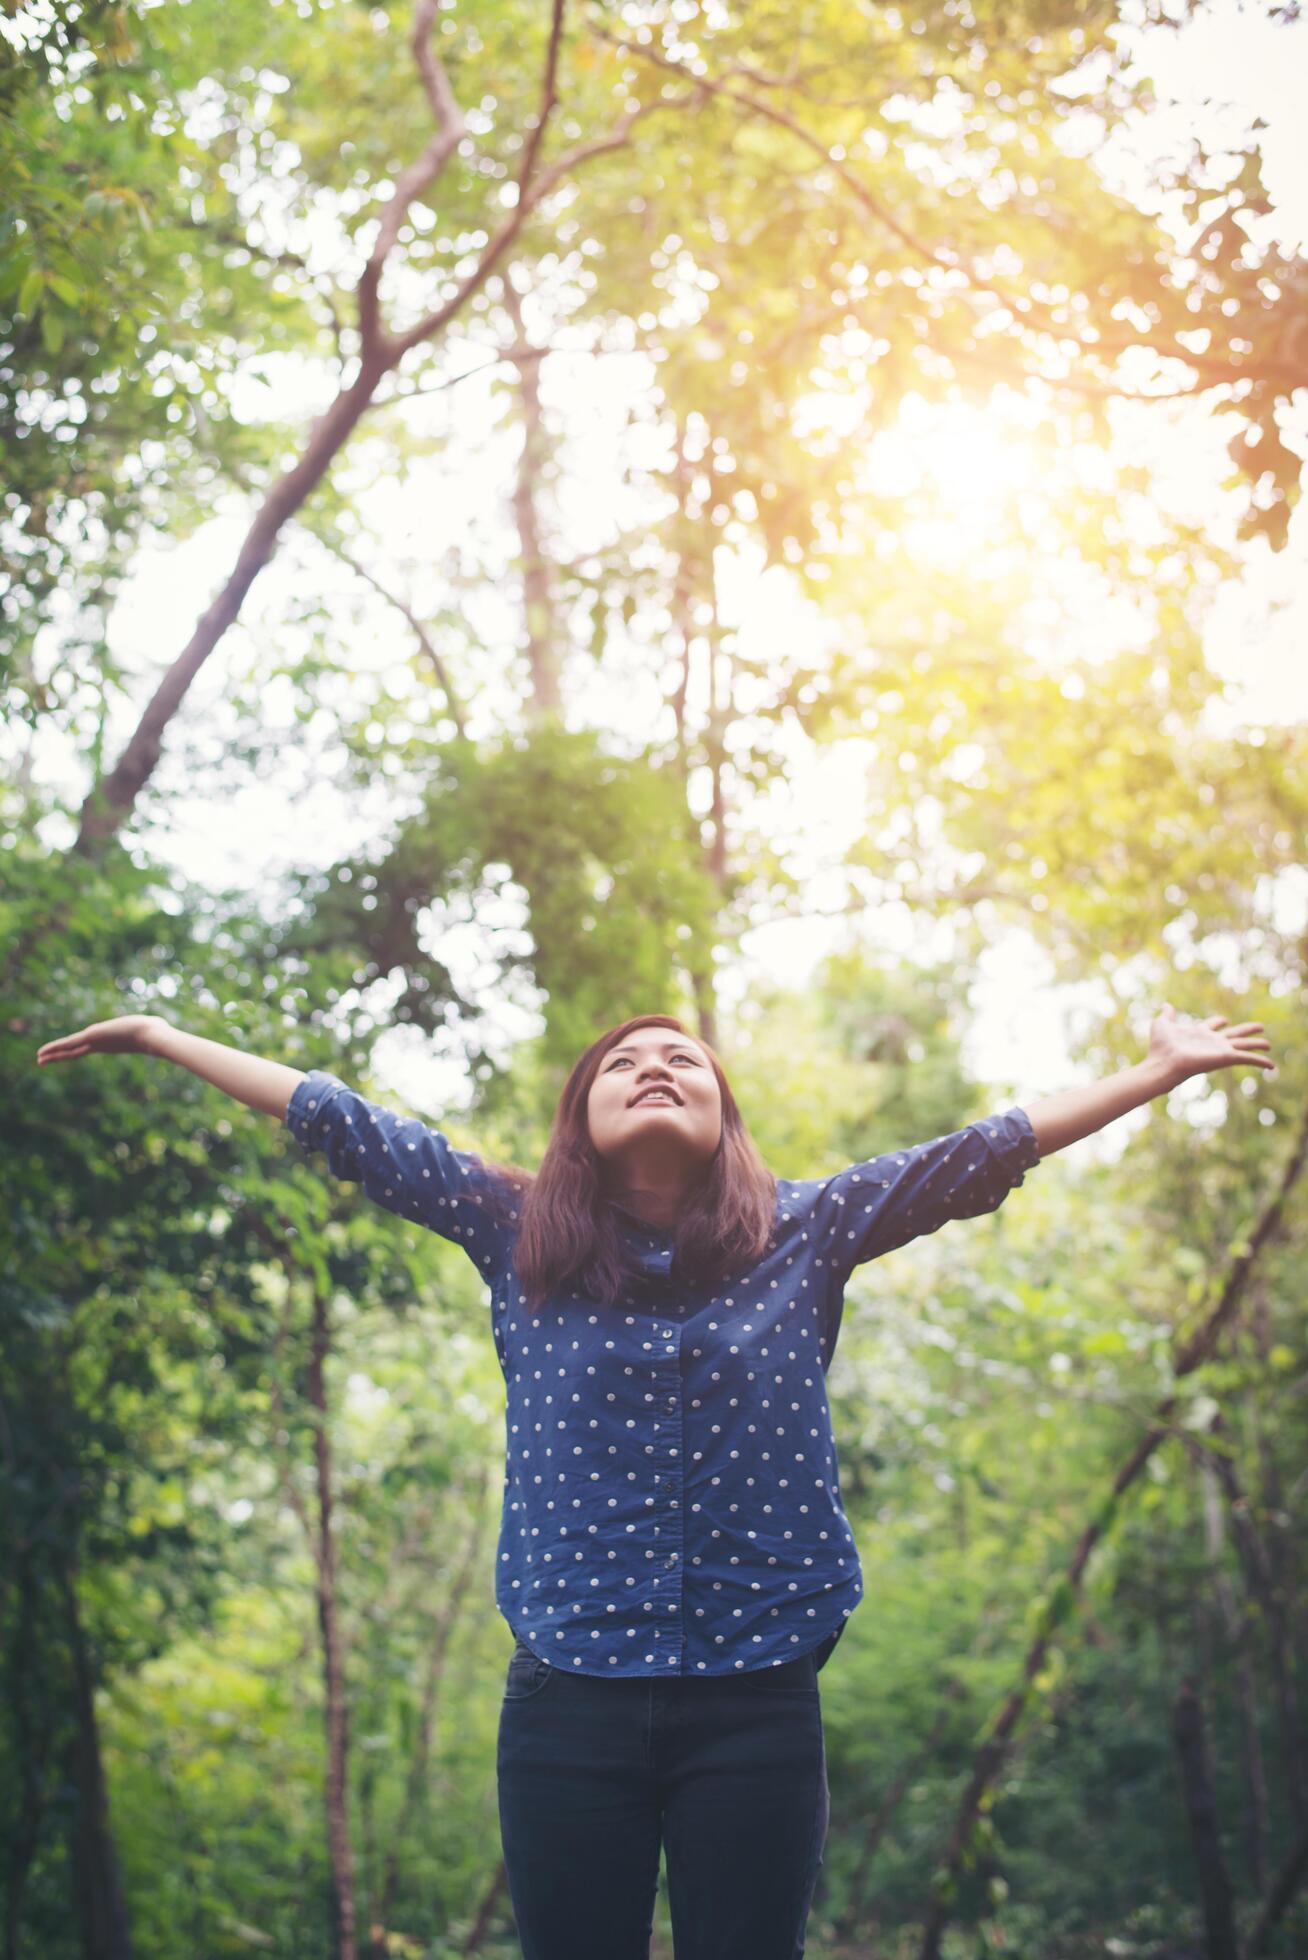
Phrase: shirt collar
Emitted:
{"points": [[634, 1220]]}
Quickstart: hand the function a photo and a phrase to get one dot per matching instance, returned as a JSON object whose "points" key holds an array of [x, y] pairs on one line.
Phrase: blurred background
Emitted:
{"points": [[513, 517]]}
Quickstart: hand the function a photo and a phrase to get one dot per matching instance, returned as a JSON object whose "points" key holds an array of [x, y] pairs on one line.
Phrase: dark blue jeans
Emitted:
{"points": [[728, 1775]]}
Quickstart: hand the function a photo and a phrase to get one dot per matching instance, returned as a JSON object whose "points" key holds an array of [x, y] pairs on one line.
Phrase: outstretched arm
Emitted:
{"points": [[1177, 1050], [403, 1165], [263, 1085]]}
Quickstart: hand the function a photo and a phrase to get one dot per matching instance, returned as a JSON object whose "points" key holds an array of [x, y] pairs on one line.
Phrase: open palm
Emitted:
{"points": [[1195, 1047]]}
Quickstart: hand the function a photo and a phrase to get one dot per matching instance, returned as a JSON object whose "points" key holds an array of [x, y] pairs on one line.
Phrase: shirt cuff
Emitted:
{"points": [[308, 1099], [1012, 1142]]}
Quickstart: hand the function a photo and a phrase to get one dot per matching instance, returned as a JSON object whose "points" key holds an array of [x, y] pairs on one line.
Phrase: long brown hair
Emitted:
{"points": [[569, 1235]]}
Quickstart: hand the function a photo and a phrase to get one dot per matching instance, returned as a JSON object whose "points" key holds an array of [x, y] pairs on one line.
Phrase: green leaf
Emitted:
{"points": [[30, 292]]}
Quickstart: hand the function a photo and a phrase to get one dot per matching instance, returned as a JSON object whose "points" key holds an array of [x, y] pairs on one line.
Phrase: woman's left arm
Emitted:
{"points": [[1177, 1050]]}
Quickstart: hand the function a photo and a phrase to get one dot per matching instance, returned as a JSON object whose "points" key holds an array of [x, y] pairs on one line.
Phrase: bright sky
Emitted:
{"points": [[1216, 73]]}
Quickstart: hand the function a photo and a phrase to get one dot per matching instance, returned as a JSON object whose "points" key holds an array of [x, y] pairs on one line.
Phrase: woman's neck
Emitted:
{"points": [[653, 1206]]}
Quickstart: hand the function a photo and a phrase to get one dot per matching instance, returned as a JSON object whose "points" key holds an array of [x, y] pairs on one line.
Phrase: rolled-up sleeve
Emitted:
{"points": [[404, 1166], [872, 1207]]}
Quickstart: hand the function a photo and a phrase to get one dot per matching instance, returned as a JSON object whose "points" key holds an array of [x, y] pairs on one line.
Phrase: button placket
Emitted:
{"points": [[667, 1590]]}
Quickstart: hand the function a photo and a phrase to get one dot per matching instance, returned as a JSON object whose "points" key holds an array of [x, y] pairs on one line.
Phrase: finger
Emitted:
{"points": [[1215, 1021]]}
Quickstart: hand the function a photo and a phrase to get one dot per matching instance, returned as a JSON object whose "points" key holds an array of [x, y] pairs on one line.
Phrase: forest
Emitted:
{"points": [[523, 514]]}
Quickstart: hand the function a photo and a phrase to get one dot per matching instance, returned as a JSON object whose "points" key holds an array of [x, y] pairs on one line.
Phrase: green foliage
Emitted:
{"points": [[130, 297], [884, 217], [615, 898]]}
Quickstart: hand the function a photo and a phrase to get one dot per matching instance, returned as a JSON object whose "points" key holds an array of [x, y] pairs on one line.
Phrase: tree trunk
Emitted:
{"points": [[706, 1012], [1262, 1584], [1253, 1775], [720, 714], [690, 572], [1205, 1833], [368, 1886], [537, 591], [29, 1703], [682, 597], [98, 1898], [111, 802], [335, 1711], [416, 1780]]}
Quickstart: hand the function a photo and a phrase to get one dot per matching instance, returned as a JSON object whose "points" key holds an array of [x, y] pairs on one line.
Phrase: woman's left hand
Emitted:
{"points": [[1189, 1048]]}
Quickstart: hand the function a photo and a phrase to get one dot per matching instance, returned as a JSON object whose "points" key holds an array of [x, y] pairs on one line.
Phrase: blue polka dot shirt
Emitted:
{"points": [[671, 1493]]}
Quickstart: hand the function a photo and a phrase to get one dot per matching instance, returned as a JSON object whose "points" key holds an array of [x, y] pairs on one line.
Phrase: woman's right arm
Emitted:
{"points": [[401, 1163], [262, 1085]]}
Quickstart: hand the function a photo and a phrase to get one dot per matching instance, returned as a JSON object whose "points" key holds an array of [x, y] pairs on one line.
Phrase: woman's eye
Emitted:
{"points": [[626, 1058]]}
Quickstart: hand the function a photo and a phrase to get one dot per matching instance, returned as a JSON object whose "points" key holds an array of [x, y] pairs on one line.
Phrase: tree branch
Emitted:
{"points": [[414, 180], [1027, 308], [511, 356], [393, 599], [531, 150], [613, 139], [548, 100], [1028, 313], [112, 798], [1288, 1879]]}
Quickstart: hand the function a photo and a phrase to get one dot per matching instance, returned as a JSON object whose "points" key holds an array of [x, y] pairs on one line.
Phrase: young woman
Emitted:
{"points": [[674, 1558]]}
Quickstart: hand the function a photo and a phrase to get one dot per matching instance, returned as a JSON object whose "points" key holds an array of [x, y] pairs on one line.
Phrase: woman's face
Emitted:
{"points": [[655, 1097]]}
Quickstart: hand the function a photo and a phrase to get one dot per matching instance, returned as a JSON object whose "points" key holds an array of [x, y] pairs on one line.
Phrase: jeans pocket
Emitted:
{"points": [[527, 1674]]}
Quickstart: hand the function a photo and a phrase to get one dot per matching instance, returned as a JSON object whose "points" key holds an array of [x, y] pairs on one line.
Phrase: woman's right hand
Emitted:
{"points": [[127, 1034]]}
